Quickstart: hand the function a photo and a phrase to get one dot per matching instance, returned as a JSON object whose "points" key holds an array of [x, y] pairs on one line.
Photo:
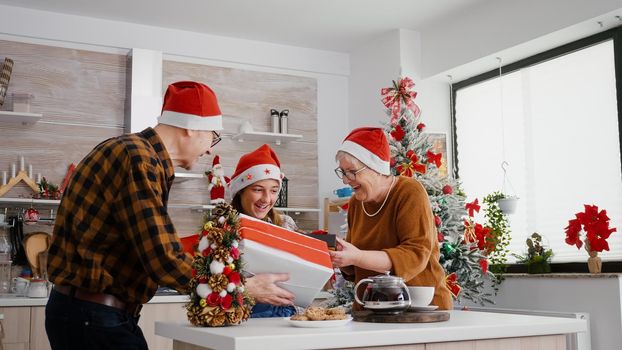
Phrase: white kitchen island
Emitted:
{"points": [[465, 330]]}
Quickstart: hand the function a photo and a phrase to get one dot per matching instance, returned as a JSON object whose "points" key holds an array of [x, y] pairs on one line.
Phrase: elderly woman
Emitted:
{"points": [[391, 226], [255, 186]]}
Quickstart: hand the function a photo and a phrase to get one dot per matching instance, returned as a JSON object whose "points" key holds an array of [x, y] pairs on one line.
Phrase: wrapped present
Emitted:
{"points": [[269, 248]]}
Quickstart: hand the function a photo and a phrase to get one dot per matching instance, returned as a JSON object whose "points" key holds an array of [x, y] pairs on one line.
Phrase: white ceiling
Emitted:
{"points": [[335, 25]]}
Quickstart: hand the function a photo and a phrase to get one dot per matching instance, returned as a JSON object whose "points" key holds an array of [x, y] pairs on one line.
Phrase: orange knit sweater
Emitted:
{"points": [[405, 230]]}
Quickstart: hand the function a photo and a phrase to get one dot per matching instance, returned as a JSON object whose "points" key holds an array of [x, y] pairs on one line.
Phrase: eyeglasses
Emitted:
{"points": [[349, 174], [215, 139]]}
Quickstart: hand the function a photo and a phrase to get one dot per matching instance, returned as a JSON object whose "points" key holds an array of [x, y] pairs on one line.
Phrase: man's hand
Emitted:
{"points": [[263, 288]]}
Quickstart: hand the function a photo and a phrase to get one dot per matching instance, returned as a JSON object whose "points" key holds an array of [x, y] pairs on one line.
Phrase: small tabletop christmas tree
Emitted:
{"points": [[218, 297]]}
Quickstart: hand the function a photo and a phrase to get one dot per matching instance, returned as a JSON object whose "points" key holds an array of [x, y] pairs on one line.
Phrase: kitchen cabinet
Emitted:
{"points": [[152, 312], [464, 330], [16, 325], [38, 336]]}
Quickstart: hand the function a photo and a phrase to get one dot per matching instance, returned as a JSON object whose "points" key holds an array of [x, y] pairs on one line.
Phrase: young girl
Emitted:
{"points": [[255, 186]]}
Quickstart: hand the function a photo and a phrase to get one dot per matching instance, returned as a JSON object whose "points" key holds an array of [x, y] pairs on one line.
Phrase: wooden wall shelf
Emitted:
{"points": [[25, 119], [269, 137]]}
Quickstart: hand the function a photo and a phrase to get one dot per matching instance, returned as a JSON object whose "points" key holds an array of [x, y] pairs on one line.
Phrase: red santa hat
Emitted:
{"points": [[191, 105], [370, 146], [216, 161], [260, 164]]}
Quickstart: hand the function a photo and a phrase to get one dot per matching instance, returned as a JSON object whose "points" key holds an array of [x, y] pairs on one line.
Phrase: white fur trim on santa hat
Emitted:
{"points": [[191, 121], [253, 174], [366, 157]]}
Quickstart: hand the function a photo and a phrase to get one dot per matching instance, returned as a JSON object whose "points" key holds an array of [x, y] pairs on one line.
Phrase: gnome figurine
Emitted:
{"points": [[217, 182]]}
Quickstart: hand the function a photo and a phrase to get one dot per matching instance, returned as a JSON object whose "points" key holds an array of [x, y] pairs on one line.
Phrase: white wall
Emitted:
{"points": [[494, 26], [598, 295], [372, 66], [331, 69]]}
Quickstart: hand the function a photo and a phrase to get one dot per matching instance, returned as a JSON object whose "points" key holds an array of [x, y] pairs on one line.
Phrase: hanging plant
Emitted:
{"points": [[499, 238]]}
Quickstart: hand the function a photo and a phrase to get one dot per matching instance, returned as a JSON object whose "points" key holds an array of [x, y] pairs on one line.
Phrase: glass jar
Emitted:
{"points": [[5, 260]]}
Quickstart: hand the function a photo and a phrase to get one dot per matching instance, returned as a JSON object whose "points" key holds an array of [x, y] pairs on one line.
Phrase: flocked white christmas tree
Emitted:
{"points": [[461, 241]]}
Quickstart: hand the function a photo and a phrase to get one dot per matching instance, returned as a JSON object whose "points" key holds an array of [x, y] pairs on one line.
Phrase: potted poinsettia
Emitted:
{"points": [[595, 225]]}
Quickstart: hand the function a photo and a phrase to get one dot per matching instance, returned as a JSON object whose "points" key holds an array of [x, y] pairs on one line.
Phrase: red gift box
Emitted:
{"points": [[269, 248]]}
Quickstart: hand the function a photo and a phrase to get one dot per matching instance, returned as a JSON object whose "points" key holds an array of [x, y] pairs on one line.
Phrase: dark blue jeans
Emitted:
{"points": [[75, 324], [267, 310]]}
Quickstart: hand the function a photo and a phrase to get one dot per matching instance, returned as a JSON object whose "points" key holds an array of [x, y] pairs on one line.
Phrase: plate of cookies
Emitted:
{"points": [[320, 317]]}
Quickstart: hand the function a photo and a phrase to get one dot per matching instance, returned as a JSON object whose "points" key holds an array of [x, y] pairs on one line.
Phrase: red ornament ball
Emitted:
{"points": [[447, 189]]}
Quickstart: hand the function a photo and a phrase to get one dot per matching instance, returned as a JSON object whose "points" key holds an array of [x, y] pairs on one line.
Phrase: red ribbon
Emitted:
{"points": [[472, 207], [411, 165], [393, 97], [451, 281]]}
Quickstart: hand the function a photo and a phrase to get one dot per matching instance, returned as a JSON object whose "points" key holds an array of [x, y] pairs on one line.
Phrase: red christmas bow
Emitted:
{"points": [[434, 158], [409, 167], [393, 97], [451, 281], [472, 207]]}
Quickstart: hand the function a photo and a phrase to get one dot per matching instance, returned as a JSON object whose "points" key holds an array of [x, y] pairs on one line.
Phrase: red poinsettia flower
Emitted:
{"points": [[213, 299], [420, 127], [225, 302], [398, 134], [434, 158], [595, 223], [472, 207], [480, 234]]}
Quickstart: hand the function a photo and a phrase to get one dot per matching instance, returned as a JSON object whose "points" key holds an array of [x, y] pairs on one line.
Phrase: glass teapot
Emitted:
{"points": [[384, 293]]}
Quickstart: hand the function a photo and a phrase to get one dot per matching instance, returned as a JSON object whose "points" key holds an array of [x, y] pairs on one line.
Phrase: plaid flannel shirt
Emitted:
{"points": [[113, 233]]}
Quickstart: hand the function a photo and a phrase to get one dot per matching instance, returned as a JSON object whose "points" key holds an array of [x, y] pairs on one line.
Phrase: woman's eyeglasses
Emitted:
{"points": [[215, 139], [349, 174]]}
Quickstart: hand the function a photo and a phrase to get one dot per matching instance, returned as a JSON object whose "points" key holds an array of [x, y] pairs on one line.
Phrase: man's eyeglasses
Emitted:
{"points": [[215, 139], [349, 174]]}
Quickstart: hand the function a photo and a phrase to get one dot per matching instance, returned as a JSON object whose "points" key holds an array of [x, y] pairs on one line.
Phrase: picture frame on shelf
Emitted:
{"points": [[438, 142]]}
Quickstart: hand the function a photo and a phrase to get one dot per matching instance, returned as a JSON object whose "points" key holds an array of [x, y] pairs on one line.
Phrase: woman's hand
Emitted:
{"points": [[263, 288], [345, 255]]}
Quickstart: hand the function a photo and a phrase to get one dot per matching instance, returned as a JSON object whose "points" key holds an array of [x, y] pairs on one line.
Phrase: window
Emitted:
{"points": [[561, 131]]}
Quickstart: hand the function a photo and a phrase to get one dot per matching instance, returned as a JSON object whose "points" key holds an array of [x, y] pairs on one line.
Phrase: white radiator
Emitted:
{"points": [[576, 341]]}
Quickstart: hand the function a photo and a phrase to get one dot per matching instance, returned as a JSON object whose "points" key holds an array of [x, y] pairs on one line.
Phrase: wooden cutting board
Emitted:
{"points": [[35, 243], [404, 317]]}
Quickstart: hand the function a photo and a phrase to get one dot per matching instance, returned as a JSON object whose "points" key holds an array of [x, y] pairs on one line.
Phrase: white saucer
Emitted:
{"points": [[319, 324], [423, 308]]}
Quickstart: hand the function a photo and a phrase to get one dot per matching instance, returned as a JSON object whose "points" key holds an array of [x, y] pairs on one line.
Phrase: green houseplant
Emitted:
{"points": [[538, 258]]}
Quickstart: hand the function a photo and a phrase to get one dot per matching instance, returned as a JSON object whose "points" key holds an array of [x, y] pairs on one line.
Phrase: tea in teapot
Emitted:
{"points": [[384, 294]]}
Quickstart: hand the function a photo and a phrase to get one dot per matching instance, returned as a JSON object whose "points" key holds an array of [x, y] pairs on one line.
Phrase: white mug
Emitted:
{"points": [[20, 286], [420, 296], [38, 289]]}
